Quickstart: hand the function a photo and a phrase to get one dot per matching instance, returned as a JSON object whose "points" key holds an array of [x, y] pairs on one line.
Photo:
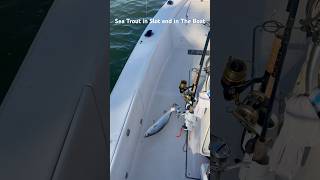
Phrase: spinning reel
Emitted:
{"points": [[255, 110], [250, 111], [233, 79], [186, 92], [189, 92], [234, 83]]}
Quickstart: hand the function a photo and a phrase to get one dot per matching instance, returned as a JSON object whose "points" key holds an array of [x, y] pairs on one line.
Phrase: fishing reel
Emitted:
{"points": [[234, 83], [233, 79], [250, 110], [187, 93]]}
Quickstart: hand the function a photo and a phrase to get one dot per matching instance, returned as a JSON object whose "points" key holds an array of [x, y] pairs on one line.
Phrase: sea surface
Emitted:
{"points": [[20, 21], [123, 37]]}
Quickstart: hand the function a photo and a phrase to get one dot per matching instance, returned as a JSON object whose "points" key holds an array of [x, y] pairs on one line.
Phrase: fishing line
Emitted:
{"points": [[187, 17], [270, 26], [146, 9], [264, 26]]}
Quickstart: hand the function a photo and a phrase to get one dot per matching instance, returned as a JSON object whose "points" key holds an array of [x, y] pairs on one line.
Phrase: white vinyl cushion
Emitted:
{"points": [[301, 129]]}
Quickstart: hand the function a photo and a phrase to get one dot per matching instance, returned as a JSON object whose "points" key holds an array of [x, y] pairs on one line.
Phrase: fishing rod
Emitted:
{"points": [[254, 111], [273, 27], [189, 97], [260, 152], [276, 67], [189, 92], [195, 85]]}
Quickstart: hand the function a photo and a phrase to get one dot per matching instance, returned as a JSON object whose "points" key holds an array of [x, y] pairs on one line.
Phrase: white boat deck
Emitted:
{"points": [[162, 155]]}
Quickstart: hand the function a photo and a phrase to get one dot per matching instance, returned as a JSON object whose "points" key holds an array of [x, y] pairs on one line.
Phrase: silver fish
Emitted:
{"points": [[162, 121]]}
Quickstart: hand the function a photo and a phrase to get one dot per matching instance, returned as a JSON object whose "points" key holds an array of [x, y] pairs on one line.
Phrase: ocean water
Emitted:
{"points": [[123, 37], [20, 21]]}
